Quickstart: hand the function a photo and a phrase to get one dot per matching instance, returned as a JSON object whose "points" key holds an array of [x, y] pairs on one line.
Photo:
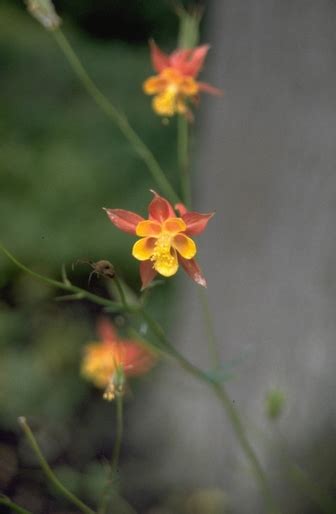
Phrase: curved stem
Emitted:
{"points": [[116, 116], [13, 506], [49, 472], [210, 331], [240, 432], [115, 456], [120, 291], [78, 293], [183, 158], [167, 348]]}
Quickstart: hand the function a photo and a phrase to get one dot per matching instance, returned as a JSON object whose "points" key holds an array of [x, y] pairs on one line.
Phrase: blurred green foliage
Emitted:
{"points": [[61, 162]]}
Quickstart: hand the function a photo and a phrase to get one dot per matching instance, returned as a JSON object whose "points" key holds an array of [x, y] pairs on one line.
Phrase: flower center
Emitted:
{"points": [[162, 257]]}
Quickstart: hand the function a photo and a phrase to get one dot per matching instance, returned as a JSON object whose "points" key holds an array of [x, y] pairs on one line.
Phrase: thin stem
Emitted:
{"points": [[326, 503], [115, 456], [49, 472], [240, 432], [13, 506], [116, 116], [231, 411], [210, 331], [77, 291], [167, 348], [120, 291], [183, 158]]}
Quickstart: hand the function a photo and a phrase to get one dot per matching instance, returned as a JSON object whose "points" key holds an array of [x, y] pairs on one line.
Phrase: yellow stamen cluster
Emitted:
{"points": [[162, 242], [172, 91], [164, 262]]}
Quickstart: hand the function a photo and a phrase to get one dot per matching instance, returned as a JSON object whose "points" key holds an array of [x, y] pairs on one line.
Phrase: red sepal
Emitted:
{"points": [[196, 222], [160, 209], [160, 60], [147, 273], [207, 88], [189, 62], [106, 331], [126, 221], [137, 360], [181, 208], [194, 271]]}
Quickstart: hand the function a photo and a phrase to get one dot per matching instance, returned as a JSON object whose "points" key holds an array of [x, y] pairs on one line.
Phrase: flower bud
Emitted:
{"points": [[274, 405], [116, 386], [44, 12]]}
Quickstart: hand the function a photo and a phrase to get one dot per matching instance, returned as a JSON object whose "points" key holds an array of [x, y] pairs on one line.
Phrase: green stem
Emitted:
{"points": [[120, 291], [210, 331], [240, 432], [81, 293], [231, 411], [167, 348], [13, 506], [49, 472], [183, 158], [116, 116], [326, 503], [115, 456]]}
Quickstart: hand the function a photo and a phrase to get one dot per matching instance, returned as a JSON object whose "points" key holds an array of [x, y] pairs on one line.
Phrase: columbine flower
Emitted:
{"points": [[175, 85], [165, 241], [107, 363]]}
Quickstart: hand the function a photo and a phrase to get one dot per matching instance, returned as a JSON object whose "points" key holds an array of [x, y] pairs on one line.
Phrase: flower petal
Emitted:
{"points": [[154, 85], [147, 273], [188, 87], [185, 246], [106, 331], [137, 359], [197, 59], [168, 265], [174, 225], [181, 208], [196, 222], [160, 209], [179, 58], [143, 249], [160, 60], [126, 221], [148, 228], [207, 88], [189, 62], [164, 103], [194, 271]]}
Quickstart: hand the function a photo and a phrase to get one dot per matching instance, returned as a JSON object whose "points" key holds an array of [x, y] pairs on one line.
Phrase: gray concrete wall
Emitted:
{"points": [[266, 164]]}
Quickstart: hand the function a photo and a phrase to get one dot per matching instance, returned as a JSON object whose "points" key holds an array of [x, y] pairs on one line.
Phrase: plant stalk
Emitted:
{"points": [[13, 506], [183, 158], [115, 456], [49, 472], [116, 116]]}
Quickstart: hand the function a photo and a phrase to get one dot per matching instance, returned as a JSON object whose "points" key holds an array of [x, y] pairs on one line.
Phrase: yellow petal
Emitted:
{"points": [[185, 246], [154, 85], [167, 264], [174, 225], [188, 86], [165, 103], [181, 106], [143, 249], [148, 228]]}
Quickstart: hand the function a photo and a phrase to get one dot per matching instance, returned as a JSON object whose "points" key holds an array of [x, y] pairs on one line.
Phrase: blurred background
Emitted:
{"points": [[263, 158]]}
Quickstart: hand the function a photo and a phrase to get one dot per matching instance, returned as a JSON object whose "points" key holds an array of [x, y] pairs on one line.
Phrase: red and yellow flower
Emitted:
{"points": [[108, 362], [165, 238], [175, 85]]}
